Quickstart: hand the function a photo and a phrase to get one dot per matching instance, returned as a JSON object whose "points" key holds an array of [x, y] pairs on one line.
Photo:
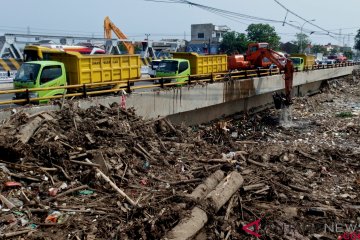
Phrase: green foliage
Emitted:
{"points": [[302, 40], [348, 54], [334, 51], [289, 47], [122, 48], [357, 41], [344, 114], [263, 33], [319, 49], [234, 42]]}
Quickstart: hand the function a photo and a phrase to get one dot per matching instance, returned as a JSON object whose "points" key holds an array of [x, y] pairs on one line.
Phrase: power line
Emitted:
{"points": [[309, 22]]}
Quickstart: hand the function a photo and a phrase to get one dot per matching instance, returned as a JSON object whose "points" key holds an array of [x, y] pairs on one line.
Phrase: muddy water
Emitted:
{"points": [[285, 118]]}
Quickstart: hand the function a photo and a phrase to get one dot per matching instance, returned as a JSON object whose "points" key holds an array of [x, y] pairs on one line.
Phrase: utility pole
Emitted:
{"points": [[28, 33], [147, 36], [301, 32], [340, 36]]}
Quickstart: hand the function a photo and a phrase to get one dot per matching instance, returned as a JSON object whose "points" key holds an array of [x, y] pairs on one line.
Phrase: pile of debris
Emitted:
{"points": [[105, 173], [100, 173]]}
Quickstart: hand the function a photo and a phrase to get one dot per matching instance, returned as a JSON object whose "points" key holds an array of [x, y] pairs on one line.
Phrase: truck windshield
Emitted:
{"points": [[27, 72], [168, 66], [296, 61], [155, 64]]}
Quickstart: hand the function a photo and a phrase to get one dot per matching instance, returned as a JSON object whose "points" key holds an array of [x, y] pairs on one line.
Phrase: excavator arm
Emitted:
{"points": [[110, 26], [287, 66]]}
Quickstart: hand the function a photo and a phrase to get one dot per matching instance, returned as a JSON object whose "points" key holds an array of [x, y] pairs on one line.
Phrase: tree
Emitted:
{"points": [[348, 54], [302, 40], [234, 42], [263, 33], [319, 49], [357, 41], [289, 47], [334, 50]]}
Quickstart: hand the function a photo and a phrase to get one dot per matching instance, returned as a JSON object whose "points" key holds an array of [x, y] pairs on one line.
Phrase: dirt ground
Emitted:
{"points": [[105, 173]]}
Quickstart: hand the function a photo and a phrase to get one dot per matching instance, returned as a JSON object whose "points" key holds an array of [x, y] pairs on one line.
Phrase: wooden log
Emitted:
{"points": [[247, 142], [253, 187], [68, 192], [188, 227], [146, 152], [29, 129], [100, 160], [14, 234], [300, 189], [223, 192], [6, 202], [257, 163], [113, 185], [80, 155], [208, 185], [214, 161], [85, 163]]}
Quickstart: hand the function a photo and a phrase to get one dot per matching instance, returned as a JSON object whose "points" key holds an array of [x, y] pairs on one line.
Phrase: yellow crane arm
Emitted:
{"points": [[110, 26]]}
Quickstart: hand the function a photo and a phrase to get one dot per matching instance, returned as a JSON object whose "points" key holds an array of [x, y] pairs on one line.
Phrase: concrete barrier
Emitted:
{"points": [[202, 103]]}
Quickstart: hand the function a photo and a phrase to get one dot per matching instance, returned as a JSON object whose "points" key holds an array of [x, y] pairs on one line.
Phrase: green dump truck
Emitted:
{"points": [[184, 64], [71, 68], [302, 61]]}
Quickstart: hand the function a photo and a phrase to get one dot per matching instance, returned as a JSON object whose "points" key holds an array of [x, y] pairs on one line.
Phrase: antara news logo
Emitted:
{"points": [[344, 231]]}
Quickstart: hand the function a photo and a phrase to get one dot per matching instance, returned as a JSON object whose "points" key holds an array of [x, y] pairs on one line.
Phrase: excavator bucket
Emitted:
{"points": [[281, 100]]}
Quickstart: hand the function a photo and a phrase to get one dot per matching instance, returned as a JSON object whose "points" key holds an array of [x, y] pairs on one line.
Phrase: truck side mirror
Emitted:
{"points": [[8, 73]]}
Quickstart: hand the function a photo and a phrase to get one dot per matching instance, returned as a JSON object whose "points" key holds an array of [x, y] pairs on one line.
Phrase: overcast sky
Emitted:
{"points": [[163, 20]]}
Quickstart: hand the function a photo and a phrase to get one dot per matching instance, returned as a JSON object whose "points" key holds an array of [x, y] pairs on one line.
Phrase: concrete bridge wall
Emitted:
{"points": [[202, 103]]}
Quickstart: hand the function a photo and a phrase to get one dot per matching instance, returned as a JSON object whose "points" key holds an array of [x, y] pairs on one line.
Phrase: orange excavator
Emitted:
{"points": [[256, 57], [110, 26], [259, 55]]}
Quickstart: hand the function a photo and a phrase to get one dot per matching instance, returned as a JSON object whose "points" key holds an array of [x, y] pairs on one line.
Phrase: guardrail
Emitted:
{"points": [[86, 90]]}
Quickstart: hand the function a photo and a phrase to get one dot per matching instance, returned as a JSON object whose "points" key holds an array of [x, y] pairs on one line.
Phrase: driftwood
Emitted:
{"points": [[257, 163], [253, 187], [14, 234], [28, 130], [113, 185], [188, 227], [6, 202], [85, 163], [68, 192], [208, 185]]}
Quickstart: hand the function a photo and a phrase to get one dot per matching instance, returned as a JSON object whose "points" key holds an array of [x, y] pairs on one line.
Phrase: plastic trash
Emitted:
{"points": [[53, 217], [33, 226], [229, 156], [86, 192], [146, 165], [53, 191], [234, 134], [143, 182], [12, 184]]}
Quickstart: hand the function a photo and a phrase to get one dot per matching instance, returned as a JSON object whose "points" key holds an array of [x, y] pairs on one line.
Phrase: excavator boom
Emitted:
{"points": [[282, 63], [110, 26]]}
